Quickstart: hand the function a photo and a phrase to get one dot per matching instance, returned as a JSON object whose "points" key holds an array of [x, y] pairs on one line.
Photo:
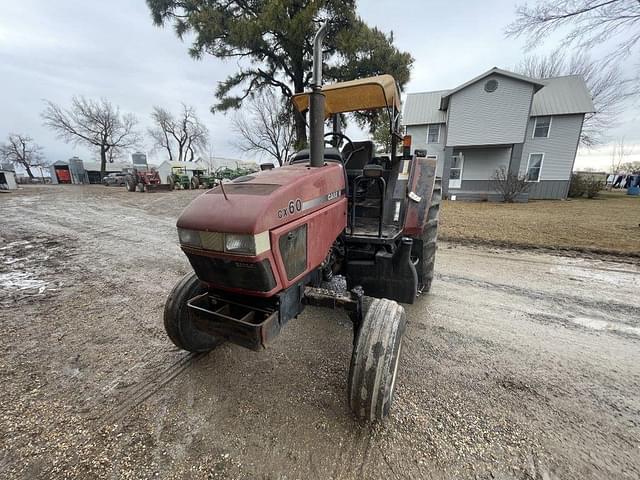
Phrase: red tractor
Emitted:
{"points": [[263, 245], [144, 180]]}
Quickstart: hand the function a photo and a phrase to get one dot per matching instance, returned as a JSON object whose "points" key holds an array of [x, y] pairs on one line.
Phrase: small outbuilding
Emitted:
{"points": [[60, 173], [8, 178]]}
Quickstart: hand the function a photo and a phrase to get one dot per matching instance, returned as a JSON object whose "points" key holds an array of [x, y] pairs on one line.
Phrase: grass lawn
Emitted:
{"points": [[608, 224]]}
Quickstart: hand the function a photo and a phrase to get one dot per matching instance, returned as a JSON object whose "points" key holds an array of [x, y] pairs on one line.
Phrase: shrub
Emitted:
{"points": [[584, 185], [577, 186], [509, 185], [592, 187]]}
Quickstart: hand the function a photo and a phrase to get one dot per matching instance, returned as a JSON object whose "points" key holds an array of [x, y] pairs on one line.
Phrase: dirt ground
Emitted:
{"points": [[609, 223], [518, 364]]}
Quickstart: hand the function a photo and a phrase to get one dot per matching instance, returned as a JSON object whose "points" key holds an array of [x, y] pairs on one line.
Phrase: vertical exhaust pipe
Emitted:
{"points": [[316, 102]]}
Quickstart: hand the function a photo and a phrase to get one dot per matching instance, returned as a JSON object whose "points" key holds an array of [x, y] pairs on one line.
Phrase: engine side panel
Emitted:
{"points": [[322, 228]]}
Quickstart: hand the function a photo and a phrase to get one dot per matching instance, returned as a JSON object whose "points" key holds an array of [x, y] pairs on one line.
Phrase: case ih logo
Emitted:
{"points": [[293, 207], [333, 196]]}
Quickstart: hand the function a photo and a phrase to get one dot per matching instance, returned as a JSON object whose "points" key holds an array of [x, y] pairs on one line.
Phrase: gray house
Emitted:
{"points": [[501, 119]]}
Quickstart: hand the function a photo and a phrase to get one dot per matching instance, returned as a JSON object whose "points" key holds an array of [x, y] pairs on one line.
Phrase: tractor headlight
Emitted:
{"points": [[189, 237], [247, 244], [237, 243]]}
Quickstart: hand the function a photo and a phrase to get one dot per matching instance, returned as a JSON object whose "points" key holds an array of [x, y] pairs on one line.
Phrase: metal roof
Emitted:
{"points": [[562, 96], [195, 165], [558, 96], [421, 108], [109, 167]]}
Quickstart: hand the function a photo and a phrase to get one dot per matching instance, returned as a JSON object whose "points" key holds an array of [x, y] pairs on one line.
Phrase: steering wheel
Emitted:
{"points": [[348, 140]]}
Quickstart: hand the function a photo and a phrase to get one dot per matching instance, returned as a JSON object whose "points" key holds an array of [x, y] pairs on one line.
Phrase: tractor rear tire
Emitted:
{"points": [[130, 183], [375, 359], [171, 182], [195, 183], [426, 265], [178, 322]]}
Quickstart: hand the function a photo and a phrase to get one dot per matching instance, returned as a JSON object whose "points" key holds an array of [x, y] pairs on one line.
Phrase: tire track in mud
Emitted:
{"points": [[135, 394], [564, 299], [530, 261]]}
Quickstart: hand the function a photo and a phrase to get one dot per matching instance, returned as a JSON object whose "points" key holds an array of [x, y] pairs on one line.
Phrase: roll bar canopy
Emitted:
{"points": [[363, 94]]}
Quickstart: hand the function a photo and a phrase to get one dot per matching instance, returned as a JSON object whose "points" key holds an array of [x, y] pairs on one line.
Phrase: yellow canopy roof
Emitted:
{"points": [[363, 94]]}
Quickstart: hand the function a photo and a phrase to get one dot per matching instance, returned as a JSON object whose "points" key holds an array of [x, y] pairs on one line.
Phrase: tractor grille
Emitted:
{"points": [[222, 272]]}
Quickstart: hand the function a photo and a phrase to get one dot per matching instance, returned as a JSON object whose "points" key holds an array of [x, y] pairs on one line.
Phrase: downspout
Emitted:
{"points": [[316, 102]]}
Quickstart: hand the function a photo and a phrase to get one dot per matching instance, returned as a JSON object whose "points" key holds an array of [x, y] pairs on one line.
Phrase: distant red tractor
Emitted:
{"points": [[142, 180]]}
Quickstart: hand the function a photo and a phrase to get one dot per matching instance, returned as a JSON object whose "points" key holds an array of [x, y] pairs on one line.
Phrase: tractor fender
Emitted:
{"points": [[419, 195]]}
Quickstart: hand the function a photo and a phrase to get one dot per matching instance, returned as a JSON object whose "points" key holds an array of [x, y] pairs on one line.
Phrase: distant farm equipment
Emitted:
{"points": [[226, 173], [204, 179], [179, 178], [144, 180]]}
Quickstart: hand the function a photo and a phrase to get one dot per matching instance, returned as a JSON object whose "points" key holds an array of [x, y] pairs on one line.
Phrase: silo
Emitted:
{"points": [[78, 173]]}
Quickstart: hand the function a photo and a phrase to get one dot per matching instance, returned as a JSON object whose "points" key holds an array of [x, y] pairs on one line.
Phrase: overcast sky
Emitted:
{"points": [[54, 50]]}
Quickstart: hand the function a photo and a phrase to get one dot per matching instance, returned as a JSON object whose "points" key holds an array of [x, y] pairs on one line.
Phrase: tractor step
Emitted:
{"points": [[244, 325]]}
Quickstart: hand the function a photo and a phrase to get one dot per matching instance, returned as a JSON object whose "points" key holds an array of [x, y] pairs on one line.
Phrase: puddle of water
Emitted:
{"points": [[603, 325]]}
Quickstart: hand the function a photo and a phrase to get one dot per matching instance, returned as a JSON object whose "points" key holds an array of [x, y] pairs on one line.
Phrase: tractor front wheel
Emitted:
{"points": [[375, 359], [130, 183], [178, 321]]}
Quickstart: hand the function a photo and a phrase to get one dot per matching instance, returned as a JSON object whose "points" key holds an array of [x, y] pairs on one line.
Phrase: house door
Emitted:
{"points": [[455, 172]]}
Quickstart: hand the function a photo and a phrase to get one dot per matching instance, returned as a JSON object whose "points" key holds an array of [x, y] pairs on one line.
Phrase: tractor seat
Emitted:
{"points": [[361, 156], [330, 154]]}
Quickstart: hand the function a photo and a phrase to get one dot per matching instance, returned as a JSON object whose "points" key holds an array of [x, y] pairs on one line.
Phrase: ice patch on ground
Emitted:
{"points": [[22, 281], [602, 325]]}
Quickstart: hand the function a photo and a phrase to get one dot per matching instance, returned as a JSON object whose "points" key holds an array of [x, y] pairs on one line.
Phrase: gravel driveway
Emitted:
{"points": [[518, 364]]}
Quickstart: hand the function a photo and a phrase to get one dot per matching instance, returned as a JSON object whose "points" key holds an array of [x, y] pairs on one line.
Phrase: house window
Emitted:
{"points": [[542, 126], [534, 165], [433, 133]]}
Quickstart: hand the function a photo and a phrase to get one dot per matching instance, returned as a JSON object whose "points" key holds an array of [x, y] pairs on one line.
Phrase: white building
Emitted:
{"points": [[7, 178]]}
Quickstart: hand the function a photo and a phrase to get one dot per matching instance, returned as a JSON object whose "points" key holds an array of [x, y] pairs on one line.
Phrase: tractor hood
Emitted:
{"points": [[265, 200]]}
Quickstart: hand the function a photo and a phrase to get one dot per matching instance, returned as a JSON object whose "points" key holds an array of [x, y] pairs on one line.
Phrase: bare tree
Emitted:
{"points": [[631, 167], [96, 123], [588, 23], [609, 89], [180, 136], [266, 127], [509, 184], [619, 154], [22, 151]]}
